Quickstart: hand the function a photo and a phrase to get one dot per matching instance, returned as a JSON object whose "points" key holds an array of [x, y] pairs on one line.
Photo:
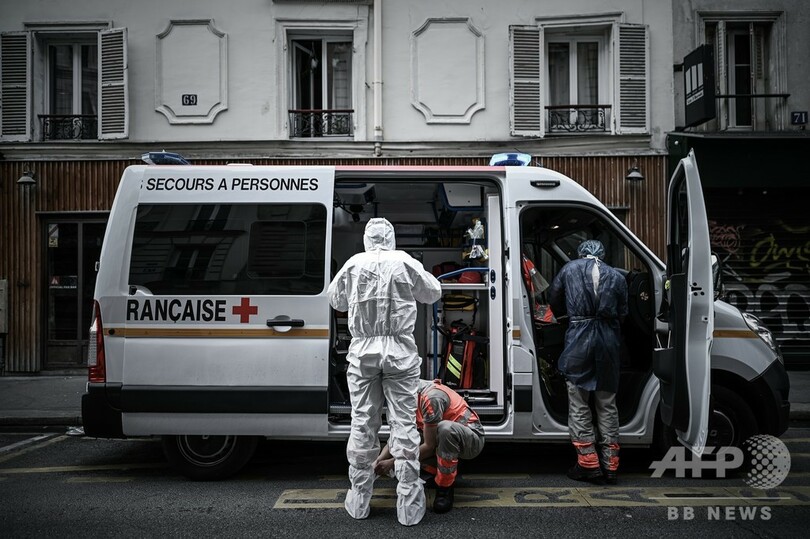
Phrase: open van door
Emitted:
{"points": [[683, 368]]}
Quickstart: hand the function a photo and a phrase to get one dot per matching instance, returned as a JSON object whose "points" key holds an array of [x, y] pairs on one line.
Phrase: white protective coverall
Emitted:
{"points": [[379, 288]]}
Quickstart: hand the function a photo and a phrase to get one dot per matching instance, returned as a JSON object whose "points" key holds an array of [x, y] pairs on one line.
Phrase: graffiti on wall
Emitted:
{"points": [[767, 272]]}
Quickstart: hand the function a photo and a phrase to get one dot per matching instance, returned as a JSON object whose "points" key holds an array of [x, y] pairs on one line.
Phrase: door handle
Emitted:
{"points": [[285, 321]]}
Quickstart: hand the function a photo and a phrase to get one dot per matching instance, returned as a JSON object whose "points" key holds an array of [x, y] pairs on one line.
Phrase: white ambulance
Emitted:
{"points": [[212, 328]]}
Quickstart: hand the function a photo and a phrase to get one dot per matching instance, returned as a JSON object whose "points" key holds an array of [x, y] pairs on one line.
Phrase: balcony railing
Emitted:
{"points": [[321, 122], [578, 118], [69, 126]]}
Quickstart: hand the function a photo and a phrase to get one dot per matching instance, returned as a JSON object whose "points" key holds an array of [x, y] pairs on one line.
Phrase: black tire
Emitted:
{"points": [[732, 422], [209, 458]]}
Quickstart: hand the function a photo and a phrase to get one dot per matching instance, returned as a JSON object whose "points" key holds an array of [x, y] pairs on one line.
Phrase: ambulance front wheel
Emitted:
{"points": [[209, 458]]}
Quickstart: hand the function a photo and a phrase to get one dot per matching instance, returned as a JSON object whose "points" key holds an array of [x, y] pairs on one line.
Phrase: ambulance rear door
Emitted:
{"points": [[683, 365], [226, 316]]}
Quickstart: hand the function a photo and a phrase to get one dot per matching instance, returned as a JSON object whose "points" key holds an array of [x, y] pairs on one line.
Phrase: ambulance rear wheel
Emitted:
{"points": [[209, 458], [732, 422]]}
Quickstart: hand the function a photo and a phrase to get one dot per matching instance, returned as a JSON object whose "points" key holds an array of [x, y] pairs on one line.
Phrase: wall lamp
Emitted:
{"points": [[634, 174], [27, 178]]}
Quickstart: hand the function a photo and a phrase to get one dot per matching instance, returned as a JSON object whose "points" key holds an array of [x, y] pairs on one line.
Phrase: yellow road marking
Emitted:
{"points": [[99, 480], [489, 476], [475, 476], [34, 447], [799, 455], [796, 440], [565, 497], [89, 468]]}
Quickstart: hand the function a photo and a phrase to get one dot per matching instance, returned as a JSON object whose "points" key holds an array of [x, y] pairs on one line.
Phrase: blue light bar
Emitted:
{"points": [[510, 160], [163, 158]]}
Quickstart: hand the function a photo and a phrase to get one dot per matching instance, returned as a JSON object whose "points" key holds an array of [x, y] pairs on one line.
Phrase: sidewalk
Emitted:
{"points": [[57, 400]]}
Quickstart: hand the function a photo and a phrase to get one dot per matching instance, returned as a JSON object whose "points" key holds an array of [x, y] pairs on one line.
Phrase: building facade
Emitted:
{"points": [[585, 87], [751, 142]]}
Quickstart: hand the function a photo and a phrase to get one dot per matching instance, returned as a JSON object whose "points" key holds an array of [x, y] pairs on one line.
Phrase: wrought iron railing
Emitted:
{"points": [[321, 122], [578, 118], [69, 126]]}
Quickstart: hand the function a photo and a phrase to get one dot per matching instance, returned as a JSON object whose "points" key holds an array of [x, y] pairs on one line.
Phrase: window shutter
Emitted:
{"points": [[526, 98], [634, 94], [721, 78], [113, 88], [15, 92]]}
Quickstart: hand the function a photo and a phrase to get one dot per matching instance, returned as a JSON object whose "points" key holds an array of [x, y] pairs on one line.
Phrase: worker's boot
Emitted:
{"points": [[578, 473], [610, 477], [443, 502]]}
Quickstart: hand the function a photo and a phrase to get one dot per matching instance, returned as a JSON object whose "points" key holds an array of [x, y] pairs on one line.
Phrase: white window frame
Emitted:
{"points": [[606, 27], [325, 39], [76, 44], [603, 61], [43, 35], [289, 29], [776, 63], [733, 121]]}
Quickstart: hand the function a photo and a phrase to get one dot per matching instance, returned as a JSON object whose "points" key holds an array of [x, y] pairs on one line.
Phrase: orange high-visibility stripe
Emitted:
{"points": [[446, 475], [586, 455], [613, 462]]}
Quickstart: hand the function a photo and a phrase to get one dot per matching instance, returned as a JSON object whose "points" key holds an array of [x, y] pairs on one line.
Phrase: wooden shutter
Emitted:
{"points": [[15, 90], [525, 97], [634, 88], [113, 88], [721, 63]]}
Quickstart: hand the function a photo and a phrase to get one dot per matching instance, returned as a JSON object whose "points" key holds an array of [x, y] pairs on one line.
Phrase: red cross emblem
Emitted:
{"points": [[245, 310]]}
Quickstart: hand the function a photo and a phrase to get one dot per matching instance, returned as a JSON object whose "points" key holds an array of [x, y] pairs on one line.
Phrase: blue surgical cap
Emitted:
{"points": [[591, 247]]}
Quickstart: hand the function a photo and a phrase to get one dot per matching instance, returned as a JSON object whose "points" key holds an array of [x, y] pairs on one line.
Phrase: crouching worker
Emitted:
{"points": [[450, 431]]}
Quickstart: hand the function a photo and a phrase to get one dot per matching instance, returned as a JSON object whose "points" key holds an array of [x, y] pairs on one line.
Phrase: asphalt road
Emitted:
{"points": [[53, 484]]}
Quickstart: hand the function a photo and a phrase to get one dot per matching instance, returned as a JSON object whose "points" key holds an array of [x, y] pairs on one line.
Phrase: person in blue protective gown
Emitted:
{"points": [[594, 296], [379, 288]]}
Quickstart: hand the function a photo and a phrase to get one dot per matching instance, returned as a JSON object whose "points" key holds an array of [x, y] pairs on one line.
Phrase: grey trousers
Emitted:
{"points": [[580, 424]]}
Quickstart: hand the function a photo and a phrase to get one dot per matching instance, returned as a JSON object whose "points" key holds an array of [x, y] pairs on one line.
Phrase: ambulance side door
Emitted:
{"points": [[683, 367]]}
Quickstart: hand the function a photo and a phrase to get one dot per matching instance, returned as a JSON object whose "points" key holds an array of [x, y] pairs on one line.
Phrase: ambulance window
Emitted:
{"points": [[555, 234], [229, 249]]}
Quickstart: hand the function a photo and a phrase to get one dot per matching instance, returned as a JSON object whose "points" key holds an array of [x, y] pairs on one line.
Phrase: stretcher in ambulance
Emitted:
{"points": [[212, 329]]}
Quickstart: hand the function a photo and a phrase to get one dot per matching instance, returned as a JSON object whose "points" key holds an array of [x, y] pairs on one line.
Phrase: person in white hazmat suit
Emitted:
{"points": [[379, 288]]}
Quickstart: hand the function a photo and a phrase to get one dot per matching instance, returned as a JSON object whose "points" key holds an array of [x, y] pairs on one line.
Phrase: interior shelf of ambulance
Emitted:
{"points": [[444, 225]]}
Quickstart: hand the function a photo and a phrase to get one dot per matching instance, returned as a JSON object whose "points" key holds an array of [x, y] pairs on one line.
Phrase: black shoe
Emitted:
{"points": [[578, 473], [610, 477], [443, 502]]}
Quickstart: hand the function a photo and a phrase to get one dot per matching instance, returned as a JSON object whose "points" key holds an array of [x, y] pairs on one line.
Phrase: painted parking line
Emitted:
{"points": [[87, 468], [34, 446], [99, 479], [23, 443], [564, 497]]}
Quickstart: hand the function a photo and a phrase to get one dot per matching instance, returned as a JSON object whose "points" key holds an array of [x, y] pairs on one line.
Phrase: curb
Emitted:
{"points": [[53, 421], [800, 412]]}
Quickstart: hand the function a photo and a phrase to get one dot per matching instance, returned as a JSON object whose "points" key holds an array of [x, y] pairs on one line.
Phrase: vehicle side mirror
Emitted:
{"points": [[717, 276]]}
